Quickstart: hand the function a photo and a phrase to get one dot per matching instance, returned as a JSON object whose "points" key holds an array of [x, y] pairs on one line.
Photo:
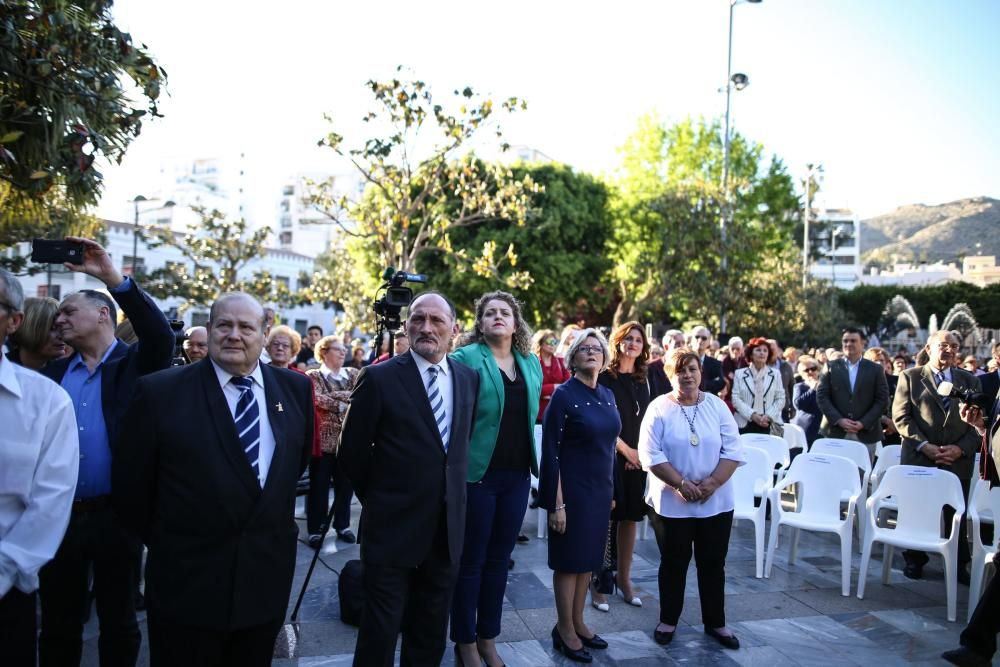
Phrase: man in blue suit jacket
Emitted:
{"points": [[100, 378]]}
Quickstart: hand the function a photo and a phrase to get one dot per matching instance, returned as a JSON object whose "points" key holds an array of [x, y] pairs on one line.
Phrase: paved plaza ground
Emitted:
{"points": [[797, 617]]}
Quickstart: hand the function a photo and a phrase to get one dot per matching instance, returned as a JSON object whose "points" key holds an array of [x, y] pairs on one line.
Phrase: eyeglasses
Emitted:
{"points": [[943, 345], [280, 345], [590, 349], [700, 337], [812, 369], [551, 341]]}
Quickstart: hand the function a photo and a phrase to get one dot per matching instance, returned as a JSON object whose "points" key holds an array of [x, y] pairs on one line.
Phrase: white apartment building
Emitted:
{"points": [[835, 233], [284, 265]]}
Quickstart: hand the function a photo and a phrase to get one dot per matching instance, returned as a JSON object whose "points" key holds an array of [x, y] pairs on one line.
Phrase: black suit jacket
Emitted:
{"points": [[221, 548], [867, 404], [127, 363], [391, 450], [990, 383], [712, 379]]}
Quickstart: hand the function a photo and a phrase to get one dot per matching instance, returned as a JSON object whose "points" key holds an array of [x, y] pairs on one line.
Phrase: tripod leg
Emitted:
{"points": [[312, 565]]}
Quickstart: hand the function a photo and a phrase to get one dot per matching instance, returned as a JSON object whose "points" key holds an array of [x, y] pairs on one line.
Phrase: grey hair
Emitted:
{"points": [[582, 336], [13, 289], [736, 340], [669, 335]]}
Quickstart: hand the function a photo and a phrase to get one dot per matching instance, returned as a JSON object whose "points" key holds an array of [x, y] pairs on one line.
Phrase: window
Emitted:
{"points": [[286, 221], [199, 319], [302, 327], [176, 267], [55, 291], [285, 238], [127, 265], [288, 190], [283, 280]]}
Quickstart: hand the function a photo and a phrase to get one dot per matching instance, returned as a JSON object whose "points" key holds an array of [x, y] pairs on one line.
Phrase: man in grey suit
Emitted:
{"points": [[933, 432], [853, 394]]}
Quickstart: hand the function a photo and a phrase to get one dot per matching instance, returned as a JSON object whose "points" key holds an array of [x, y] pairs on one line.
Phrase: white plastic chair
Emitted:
{"points": [[775, 447], [751, 482], [920, 494], [823, 480], [857, 452], [985, 501], [542, 514], [795, 436], [888, 458]]}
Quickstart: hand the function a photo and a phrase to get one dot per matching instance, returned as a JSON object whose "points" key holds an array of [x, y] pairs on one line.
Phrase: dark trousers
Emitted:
{"points": [[964, 556], [322, 471], [981, 633], [94, 539], [172, 644], [494, 513], [412, 599], [18, 632], [710, 538]]}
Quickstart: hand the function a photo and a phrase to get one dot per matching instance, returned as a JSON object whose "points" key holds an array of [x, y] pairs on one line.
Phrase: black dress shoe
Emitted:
{"points": [[580, 655], [315, 541], [347, 536], [663, 637], [913, 571], [593, 642], [965, 657], [729, 642]]}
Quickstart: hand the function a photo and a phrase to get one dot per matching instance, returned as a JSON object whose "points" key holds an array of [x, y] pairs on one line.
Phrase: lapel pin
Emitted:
{"points": [[280, 409]]}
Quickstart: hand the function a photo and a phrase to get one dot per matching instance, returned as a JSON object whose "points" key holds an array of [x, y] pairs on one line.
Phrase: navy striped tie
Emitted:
{"points": [[437, 404], [945, 400], [247, 420]]}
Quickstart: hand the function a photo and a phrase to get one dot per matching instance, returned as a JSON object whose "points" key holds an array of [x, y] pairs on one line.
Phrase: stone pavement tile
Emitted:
{"points": [[621, 618], [512, 628], [524, 654], [846, 641], [830, 601], [694, 654], [908, 621], [632, 645], [802, 648], [327, 661], [760, 656], [320, 603], [526, 591], [327, 638], [749, 607]]}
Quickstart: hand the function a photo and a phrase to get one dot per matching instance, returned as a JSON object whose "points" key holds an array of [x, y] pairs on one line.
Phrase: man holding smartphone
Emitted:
{"points": [[100, 379]]}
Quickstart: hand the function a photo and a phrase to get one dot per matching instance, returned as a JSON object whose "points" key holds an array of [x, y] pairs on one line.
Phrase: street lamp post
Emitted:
{"points": [[739, 81], [813, 170]]}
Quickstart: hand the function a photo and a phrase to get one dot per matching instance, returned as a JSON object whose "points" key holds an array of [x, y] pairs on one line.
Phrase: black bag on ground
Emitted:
{"points": [[351, 593]]}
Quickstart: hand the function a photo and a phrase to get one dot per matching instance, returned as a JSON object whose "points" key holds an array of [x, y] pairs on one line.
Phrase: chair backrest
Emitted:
{"points": [[888, 458], [849, 449], [756, 474], [985, 500], [920, 494], [823, 481], [795, 436], [538, 445], [776, 447]]}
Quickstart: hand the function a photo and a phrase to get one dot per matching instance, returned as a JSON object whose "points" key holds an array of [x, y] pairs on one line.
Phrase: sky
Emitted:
{"points": [[897, 99]]}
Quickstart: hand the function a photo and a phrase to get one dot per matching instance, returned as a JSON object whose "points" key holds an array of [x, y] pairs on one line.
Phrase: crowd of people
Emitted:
{"points": [[108, 453]]}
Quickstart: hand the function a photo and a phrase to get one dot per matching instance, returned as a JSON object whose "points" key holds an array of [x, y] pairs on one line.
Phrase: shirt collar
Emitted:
{"points": [[8, 377], [77, 359], [855, 364], [225, 376], [328, 372], [423, 364]]}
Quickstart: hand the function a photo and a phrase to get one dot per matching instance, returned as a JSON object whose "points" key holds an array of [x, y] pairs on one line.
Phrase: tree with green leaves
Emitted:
{"points": [[423, 183], [561, 247], [337, 282], [667, 246], [73, 89], [217, 252]]}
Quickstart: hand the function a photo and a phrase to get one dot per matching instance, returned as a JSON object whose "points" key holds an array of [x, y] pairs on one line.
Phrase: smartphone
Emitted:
{"points": [[44, 251]]}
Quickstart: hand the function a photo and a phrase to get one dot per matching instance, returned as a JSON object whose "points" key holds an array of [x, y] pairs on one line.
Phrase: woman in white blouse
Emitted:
{"points": [[758, 394], [689, 442]]}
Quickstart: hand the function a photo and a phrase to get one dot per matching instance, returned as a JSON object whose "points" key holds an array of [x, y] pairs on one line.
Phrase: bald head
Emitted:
{"points": [[196, 343], [430, 326]]}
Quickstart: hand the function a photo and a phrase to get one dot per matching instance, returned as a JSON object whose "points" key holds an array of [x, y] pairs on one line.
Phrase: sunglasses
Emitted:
{"points": [[551, 341], [812, 369]]}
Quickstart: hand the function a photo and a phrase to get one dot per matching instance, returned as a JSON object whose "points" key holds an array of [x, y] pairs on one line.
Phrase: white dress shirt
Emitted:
{"points": [[39, 461], [852, 371], [443, 385], [664, 437], [232, 394]]}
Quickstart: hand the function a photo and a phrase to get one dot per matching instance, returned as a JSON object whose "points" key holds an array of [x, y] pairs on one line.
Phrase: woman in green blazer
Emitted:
{"points": [[501, 458]]}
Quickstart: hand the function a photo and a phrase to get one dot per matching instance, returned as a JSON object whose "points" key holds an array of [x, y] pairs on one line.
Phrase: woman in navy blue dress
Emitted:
{"points": [[576, 486]]}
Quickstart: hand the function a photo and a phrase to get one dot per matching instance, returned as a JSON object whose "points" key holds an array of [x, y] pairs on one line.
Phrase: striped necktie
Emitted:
{"points": [[945, 400], [437, 404], [247, 420]]}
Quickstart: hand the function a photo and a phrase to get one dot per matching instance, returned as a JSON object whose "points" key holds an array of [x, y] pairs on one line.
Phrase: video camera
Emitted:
{"points": [[396, 296]]}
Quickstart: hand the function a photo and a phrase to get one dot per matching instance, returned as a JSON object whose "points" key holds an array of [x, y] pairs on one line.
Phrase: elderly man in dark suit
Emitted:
{"points": [[712, 379], [853, 394], [979, 638], [100, 379], [933, 432], [208, 460], [404, 446]]}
